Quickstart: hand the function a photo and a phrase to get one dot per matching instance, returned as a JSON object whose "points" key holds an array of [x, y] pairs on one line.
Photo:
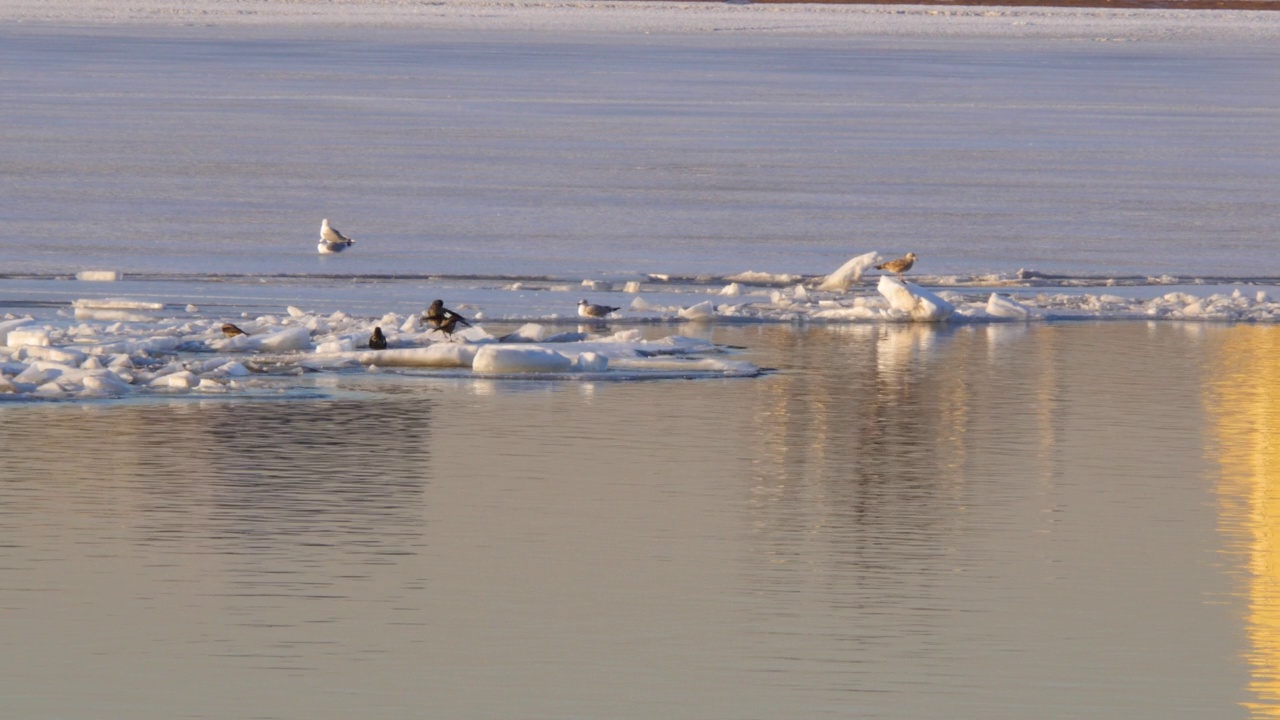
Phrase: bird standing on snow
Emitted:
{"points": [[377, 341], [900, 265], [587, 310], [231, 330], [443, 319], [332, 241]]}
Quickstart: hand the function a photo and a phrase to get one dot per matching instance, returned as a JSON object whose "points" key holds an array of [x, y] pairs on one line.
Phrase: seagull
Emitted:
{"points": [[231, 330], [900, 265], [332, 241], [587, 310], [443, 319], [377, 341]]}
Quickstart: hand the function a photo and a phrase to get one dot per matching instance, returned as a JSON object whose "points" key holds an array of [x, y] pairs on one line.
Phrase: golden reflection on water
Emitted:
{"points": [[1244, 404]]}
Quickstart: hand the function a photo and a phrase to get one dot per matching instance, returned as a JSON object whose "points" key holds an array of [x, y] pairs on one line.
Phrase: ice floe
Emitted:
{"points": [[849, 273], [98, 357], [98, 275], [121, 346]]}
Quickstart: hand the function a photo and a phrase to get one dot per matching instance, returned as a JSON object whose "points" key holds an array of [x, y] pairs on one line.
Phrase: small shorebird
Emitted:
{"points": [[332, 241], [587, 310], [231, 330], [900, 265], [377, 341], [443, 319]]}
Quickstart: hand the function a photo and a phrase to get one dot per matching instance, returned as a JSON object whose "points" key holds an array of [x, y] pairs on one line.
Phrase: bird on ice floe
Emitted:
{"points": [[443, 319], [332, 241], [900, 265], [377, 341], [231, 330], [587, 310]]}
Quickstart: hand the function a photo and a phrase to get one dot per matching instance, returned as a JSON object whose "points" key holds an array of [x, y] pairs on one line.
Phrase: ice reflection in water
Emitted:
{"points": [[976, 522]]}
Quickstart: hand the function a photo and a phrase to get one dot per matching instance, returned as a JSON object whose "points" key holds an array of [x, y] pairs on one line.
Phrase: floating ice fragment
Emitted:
{"points": [[920, 304], [529, 332], [28, 336], [511, 359], [597, 285], [98, 275], [210, 385], [8, 325], [294, 338], [295, 311], [53, 387], [117, 304], [763, 278], [801, 295], [108, 315], [591, 362], [340, 345], [66, 356], [193, 309], [632, 286], [704, 310], [731, 290], [182, 380], [639, 304], [859, 311], [849, 273], [105, 382], [232, 369], [34, 374], [1003, 307], [434, 355]]}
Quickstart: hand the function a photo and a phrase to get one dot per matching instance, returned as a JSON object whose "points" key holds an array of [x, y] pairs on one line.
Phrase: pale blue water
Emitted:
{"points": [[219, 151]]}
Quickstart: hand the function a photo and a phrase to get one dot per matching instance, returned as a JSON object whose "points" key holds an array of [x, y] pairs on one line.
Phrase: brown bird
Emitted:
{"points": [[900, 265], [443, 319], [377, 341], [231, 330]]}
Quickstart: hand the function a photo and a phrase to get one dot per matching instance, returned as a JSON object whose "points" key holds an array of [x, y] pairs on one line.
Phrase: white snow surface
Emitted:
{"points": [[668, 17], [851, 272]]}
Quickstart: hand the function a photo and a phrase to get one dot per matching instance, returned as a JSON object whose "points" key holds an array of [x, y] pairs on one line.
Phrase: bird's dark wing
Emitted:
{"points": [[455, 317]]}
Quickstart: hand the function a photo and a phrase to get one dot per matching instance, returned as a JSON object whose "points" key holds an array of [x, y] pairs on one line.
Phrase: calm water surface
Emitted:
{"points": [[1061, 521]]}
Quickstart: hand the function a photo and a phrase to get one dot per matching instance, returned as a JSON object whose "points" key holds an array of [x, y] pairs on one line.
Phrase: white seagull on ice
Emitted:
{"points": [[332, 241], [587, 310]]}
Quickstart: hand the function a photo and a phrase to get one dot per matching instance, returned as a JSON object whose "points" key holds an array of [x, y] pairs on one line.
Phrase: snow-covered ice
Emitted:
{"points": [[851, 272]]}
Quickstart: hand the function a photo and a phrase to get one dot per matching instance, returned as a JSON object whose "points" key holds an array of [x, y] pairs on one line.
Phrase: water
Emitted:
{"points": [[219, 150], [992, 522], [1050, 520]]}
